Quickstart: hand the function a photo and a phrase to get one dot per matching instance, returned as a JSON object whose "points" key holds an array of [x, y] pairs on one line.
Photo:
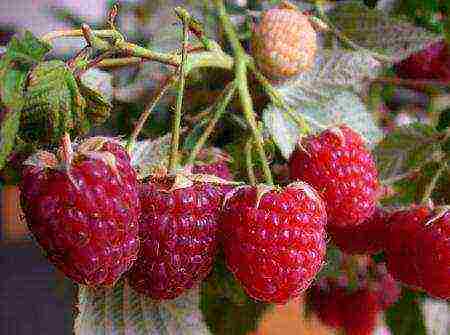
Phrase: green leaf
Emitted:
{"points": [[345, 107], [120, 310], [54, 104], [374, 30], [20, 55], [29, 47], [424, 13], [405, 317], [405, 149], [328, 94], [8, 132]]}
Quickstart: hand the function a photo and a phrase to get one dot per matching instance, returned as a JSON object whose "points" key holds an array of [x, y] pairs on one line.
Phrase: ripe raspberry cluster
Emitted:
{"points": [[85, 212]]}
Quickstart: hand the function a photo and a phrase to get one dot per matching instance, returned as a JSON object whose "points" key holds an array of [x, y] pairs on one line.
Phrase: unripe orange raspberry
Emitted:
{"points": [[284, 42]]}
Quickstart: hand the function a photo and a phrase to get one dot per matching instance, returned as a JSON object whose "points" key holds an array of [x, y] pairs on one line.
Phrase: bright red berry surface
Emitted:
{"points": [[366, 238], [418, 252], [178, 231], [86, 219], [339, 166], [275, 247], [430, 63]]}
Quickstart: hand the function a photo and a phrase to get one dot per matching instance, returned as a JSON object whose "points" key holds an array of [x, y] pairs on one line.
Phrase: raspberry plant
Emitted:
{"points": [[160, 232]]}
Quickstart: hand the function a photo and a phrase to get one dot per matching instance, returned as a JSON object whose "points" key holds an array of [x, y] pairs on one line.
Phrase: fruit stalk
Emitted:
{"points": [[277, 100], [241, 63], [249, 163], [224, 100], [174, 158], [433, 183], [144, 116]]}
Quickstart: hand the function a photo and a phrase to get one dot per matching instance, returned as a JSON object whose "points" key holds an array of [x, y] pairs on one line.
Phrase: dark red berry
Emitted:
{"points": [[325, 301], [360, 311], [85, 214], [355, 312], [339, 166], [178, 229], [418, 250], [366, 238], [274, 241], [430, 63]]}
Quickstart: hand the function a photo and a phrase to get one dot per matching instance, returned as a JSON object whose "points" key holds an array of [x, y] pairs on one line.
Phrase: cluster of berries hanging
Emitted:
{"points": [[97, 222]]}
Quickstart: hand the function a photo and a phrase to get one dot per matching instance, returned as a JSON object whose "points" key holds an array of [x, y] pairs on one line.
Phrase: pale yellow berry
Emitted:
{"points": [[284, 43]]}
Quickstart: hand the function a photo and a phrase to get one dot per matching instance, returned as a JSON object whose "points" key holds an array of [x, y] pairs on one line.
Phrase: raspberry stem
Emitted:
{"points": [[174, 155], [433, 183], [144, 116], [241, 63], [222, 104], [249, 162]]}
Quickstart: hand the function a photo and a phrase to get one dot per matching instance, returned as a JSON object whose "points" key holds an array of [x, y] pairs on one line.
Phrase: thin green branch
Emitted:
{"points": [[119, 62], [105, 33], [249, 114], [233, 38], [221, 106], [144, 116], [174, 155], [195, 27], [433, 183], [249, 161], [214, 58], [241, 62], [93, 40]]}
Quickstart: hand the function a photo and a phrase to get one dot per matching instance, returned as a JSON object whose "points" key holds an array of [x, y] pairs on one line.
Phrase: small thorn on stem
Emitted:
{"points": [[67, 151]]}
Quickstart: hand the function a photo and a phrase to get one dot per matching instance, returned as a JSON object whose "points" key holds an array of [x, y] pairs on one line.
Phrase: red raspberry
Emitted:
{"points": [[85, 214], [178, 230], [274, 242], [418, 251], [366, 238], [430, 63], [339, 166]]}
